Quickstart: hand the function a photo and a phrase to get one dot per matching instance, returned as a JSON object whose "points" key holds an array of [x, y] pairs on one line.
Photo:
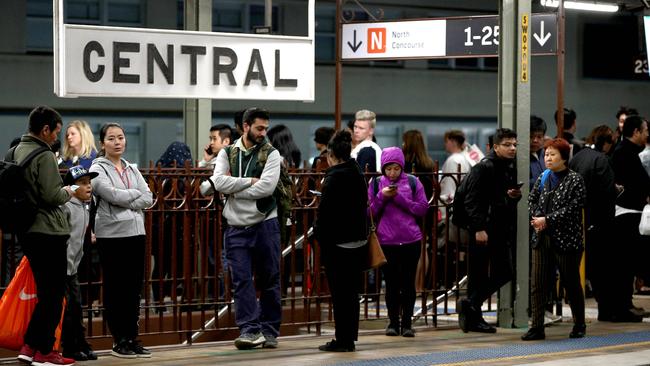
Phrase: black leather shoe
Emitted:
{"points": [[579, 331], [534, 334], [334, 346], [464, 315], [77, 356], [482, 327], [89, 352]]}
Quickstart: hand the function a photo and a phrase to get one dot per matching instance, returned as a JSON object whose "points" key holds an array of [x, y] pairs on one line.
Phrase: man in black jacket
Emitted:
{"points": [[490, 202], [594, 166], [626, 252]]}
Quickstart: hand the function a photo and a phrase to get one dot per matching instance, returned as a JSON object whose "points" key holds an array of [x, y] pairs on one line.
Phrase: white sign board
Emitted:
{"points": [[418, 38], [646, 22], [99, 61]]}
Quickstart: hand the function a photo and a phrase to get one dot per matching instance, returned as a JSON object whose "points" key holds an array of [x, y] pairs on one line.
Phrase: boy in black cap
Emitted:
{"points": [[76, 210]]}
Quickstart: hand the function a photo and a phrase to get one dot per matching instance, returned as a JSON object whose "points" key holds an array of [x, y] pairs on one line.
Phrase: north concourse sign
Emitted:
{"points": [[155, 63], [440, 38]]}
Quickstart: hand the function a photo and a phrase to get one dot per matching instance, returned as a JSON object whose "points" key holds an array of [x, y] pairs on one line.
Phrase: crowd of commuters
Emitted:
{"points": [[103, 197]]}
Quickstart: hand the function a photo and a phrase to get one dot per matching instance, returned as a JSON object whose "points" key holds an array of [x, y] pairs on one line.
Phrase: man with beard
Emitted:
{"points": [[248, 172]]}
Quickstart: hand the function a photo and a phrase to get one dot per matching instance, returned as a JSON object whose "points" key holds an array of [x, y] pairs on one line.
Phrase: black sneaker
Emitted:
{"points": [[89, 352], [141, 352], [77, 356], [123, 350], [334, 346]]}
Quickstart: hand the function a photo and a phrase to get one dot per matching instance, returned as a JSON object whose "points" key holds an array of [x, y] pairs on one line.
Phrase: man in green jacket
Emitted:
{"points": [[44, 243]]}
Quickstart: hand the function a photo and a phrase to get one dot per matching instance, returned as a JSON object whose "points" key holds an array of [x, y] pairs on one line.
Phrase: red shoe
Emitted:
{"points": [[26, 354], [53, 358]]}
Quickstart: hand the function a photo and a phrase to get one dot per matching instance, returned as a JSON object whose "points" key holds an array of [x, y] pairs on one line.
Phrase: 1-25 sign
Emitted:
{"points": [[488, 36]]}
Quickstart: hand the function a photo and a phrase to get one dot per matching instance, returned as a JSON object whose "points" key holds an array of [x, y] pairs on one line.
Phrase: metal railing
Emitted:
{"points": [[187, 286]]}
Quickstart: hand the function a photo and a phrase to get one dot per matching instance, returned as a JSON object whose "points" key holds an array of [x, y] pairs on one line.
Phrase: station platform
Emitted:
{"points": [[606, 343]]}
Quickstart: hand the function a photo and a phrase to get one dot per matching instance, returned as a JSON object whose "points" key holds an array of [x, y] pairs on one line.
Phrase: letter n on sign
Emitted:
{"points": [[376, 40]]}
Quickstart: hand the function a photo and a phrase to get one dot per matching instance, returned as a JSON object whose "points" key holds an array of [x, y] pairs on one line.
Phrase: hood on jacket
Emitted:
{"points": [[392, 155]]}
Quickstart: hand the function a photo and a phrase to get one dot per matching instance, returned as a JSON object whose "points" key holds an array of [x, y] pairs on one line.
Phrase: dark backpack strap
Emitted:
{"points": [[412, 183], [29, 157], [375, 185]]}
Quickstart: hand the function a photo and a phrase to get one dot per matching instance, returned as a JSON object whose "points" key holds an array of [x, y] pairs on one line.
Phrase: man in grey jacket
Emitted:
{"points": [[248, 172], [44, 243]]}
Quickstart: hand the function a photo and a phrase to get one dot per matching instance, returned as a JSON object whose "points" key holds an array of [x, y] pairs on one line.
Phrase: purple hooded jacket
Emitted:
{"points": [[397, 215]]}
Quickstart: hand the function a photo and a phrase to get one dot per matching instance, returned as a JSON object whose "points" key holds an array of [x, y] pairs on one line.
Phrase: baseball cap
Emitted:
{"points": [[77, 172]]}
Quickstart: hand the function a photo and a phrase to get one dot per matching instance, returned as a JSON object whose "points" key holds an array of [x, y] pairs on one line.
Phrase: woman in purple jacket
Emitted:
{"points": [[396, 202]]}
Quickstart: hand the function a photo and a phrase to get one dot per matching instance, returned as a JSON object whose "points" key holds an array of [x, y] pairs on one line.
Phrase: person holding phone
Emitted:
{"points": [[396, 207], [555, 207]]}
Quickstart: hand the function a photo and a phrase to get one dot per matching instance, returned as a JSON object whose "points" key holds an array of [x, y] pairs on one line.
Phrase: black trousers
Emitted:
{"points": [[73, 331], [490, 267], [122, 262], [47, 256], [598, 252], [623, 260], [399, 274], [343, 270], [546, 258]]}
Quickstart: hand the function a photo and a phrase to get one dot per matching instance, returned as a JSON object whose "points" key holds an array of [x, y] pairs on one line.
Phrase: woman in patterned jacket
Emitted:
{"points": [[555, 206]]}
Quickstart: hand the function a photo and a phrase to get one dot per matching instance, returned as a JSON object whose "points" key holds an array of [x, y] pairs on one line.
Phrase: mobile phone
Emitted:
{"points": [[520, 184], [208, 150], [74, 187], [392, 186], [315, 193]]}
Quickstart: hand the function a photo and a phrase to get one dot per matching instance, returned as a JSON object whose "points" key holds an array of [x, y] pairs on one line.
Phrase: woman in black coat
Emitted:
{"points": [[555, 205], [341, 230]]}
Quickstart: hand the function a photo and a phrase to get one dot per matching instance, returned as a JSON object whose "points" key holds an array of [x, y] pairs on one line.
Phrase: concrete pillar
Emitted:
{"points": [[197, 113], [514, 113]]}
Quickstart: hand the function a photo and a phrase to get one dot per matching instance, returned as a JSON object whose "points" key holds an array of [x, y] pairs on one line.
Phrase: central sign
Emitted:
{"points": [[476, 36], [100, 61]]}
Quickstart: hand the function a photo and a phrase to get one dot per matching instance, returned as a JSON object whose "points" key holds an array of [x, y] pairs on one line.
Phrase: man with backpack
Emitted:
{"points": [[248, 172], [489, 196], [44, 238]]}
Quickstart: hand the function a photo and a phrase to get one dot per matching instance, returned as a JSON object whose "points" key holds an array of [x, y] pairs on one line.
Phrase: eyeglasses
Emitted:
{"points": [[509, 145]]}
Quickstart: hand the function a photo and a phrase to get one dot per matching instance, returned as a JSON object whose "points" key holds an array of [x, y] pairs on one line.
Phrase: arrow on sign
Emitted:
{"points": [[542, 38], [354, 45]]}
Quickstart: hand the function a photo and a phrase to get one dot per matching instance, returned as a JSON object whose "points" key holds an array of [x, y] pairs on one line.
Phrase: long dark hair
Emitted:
{"points": [[282, 139], [415, 151]]}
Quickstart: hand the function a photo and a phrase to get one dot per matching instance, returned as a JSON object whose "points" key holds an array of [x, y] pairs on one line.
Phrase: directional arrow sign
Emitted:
{"points": [[354, 46], [404, 39], [440, 38], [544, 27]]}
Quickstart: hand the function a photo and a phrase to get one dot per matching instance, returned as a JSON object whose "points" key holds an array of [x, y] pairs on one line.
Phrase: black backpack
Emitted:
{"points": [[459, 216], [17, 212]]}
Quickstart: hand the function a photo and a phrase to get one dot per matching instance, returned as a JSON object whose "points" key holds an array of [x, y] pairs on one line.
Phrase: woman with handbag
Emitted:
{"points": [[555, 206], [341, 231], [397, 201]]}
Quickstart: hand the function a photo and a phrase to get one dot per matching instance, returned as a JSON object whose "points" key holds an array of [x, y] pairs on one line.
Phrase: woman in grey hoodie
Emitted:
{"points": [[122, 194]]}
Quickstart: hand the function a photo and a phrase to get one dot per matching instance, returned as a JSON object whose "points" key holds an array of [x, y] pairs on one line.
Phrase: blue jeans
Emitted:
{"points": [[256, 249]]}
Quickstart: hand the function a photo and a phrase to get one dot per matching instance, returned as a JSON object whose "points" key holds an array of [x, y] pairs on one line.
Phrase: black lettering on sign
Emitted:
{"points": [[220, 68], [256, 59], [193, 51], [279, 81], [119, 62], [166, 68], [93, 46]]}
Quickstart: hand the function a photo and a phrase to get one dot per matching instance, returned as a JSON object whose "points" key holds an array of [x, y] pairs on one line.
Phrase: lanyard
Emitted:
{"points": [[124, 178]]}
